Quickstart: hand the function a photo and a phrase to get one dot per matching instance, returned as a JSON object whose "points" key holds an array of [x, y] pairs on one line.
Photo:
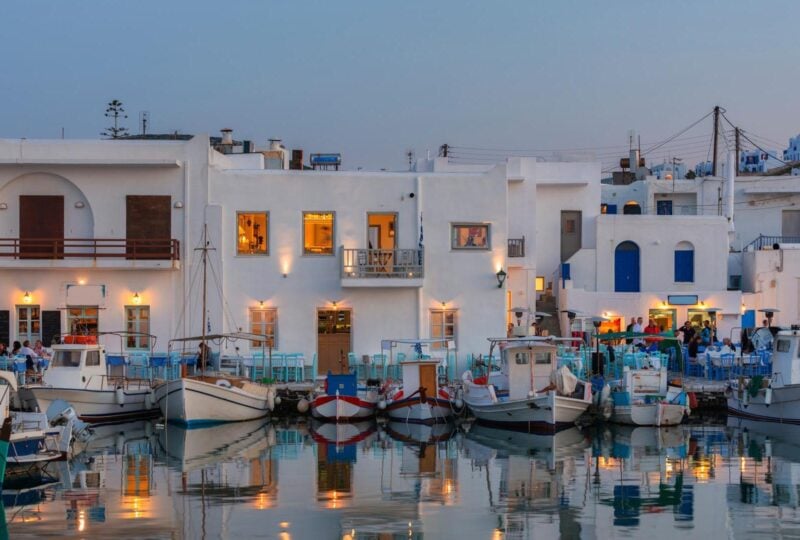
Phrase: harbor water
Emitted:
{"points": [[390, 481]]}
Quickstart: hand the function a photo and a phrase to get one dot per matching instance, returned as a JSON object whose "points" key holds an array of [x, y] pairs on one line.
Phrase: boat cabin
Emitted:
{"points": [[341, 384], [420, 374], [786, 358], [529, 367], [77, 366], [645, 382]]}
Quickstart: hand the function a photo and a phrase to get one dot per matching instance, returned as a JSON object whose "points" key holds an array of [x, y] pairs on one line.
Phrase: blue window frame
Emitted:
{"points": [[684, 265], [664, 208]]}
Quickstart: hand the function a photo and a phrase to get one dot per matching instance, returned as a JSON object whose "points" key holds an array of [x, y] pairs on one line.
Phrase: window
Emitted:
{"points": [[66, 359], [470, 236], [664, 208], [83, 320], [252, 233], [264, 321], [92, 358], [137, 321], [29, 323], [543, 358], [318, 233], [783, 345], [539, 283], [443, 325], [521, 358], [684, 263]]}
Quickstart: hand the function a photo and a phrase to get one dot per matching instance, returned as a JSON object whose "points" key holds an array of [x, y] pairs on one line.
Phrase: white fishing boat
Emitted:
{"points": [[421, 397], [344, 400], [79, 375], [528, 393], [643, 397], [210, 397], [775, 397]]}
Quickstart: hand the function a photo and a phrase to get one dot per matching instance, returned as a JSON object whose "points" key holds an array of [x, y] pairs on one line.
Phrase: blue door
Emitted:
{"points": [[626, 267]]}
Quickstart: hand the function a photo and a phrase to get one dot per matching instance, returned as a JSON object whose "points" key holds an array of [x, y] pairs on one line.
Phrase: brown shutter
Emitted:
{"points": [[41, 226], [148, 226]]}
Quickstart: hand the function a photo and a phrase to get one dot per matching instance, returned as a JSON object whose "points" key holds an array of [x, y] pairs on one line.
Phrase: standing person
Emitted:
{"points": [[203, 354], [688, 332], [629, 329], [638, 328], [705, 334], [651, 328]]}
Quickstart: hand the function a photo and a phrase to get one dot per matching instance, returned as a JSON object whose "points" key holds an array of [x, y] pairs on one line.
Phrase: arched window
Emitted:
{"points": [[684, 262], [632, 207], [626, 267]]}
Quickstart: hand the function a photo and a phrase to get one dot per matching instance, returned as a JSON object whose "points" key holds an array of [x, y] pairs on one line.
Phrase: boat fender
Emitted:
{"points": [[120, 396], [692, 400], [223, 383], [746, 398], [271, 399], [768, 447], [459, 403], [302, 406], [277, 400], [382, 404], [768, 396], [605, 394]]}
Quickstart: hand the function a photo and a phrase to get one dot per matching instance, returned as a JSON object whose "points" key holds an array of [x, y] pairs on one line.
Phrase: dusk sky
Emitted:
{"points": [[371, 79]]}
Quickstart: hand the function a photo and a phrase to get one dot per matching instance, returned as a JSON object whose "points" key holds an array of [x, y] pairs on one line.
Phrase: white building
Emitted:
{"points": [[668, 170], [792, 152], [757, 161]]}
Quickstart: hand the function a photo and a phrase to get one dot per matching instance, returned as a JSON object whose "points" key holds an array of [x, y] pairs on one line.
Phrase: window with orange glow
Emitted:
{"points": [[252, 233], [318, 233]]}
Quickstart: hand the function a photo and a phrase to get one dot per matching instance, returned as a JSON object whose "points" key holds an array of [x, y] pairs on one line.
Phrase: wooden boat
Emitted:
{"points": [[643, 398], [343, 400], [775, 397], [528, 393], [421, 397]]}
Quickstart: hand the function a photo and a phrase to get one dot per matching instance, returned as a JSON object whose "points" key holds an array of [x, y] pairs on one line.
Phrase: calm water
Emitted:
{"points": [[261, 480]]}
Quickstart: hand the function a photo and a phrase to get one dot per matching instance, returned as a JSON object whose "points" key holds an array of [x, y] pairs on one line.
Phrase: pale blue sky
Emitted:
{"points": [[372, 78]]}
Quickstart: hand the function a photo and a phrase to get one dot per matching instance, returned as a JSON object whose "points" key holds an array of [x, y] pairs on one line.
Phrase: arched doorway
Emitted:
{"points": [[626, 267], [632, 207]]}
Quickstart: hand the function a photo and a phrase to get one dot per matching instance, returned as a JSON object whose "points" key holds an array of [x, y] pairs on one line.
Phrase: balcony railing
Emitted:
{"points": [[90, 248], [769, 241], [516, 247], [382, 263]]}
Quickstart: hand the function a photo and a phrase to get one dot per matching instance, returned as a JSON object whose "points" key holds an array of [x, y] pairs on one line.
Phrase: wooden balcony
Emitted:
{"points": [[382, 267], [516, 247], [89, 252]]}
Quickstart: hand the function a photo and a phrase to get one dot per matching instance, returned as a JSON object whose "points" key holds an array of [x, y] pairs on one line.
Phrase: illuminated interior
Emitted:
{"points": [[318, 233], [251, 233]]}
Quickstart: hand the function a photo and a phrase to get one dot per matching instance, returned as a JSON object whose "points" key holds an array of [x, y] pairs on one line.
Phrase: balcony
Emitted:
{"points": [[516, 247], [89, 253], [382, 267]]}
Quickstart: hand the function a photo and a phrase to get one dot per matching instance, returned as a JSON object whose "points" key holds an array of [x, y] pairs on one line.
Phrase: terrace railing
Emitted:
{"points": [[90, 248], [768, 241], [382, 263]]}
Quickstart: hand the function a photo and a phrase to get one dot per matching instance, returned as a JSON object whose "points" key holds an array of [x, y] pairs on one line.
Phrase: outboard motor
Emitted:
{"points": [[61, 413]]}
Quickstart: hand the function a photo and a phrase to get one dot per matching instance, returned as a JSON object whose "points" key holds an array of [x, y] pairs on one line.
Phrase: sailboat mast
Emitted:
{"points": [[205, 292]]}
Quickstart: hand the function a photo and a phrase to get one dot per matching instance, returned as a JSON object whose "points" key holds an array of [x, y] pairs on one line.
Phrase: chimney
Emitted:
{"points": [[227, 136], [275, 144]]}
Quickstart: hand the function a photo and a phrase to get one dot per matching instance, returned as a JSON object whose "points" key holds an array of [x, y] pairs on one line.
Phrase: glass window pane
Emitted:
{"points": [[252, 233], [318, 229], [470, 236]]}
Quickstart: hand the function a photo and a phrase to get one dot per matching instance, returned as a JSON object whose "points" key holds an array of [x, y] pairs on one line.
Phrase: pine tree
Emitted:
{"points": [[116, 111]]}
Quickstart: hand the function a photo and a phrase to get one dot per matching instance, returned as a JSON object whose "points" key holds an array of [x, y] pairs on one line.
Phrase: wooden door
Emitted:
{"points": [[334, 329], [427, 379], [148, 226], [570, 233], [41, 227]]}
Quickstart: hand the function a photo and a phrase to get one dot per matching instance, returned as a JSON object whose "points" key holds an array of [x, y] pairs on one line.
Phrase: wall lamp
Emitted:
{"points": [[501, 278], [136, 298], [27, 298]]}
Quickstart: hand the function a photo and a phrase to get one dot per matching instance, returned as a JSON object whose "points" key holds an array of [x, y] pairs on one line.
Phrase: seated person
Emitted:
{"points": [[39, 349], [728, 346], [3, 349], [694, 345], [30, 356]]}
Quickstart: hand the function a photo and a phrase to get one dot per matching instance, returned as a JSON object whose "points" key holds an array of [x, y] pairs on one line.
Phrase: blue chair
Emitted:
{"points": [[139, 366], [294, 367], [378, 367], [278, 367]]}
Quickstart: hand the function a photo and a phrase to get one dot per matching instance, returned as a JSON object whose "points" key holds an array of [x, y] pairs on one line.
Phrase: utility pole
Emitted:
{"points": [[716, 134], [738, 147]]}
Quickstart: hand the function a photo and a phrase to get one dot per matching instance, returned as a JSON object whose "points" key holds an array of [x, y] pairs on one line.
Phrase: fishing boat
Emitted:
{"points": [[528, 393], [79, 374], [211, 397], [343, 400], [774, 397], [421, 397], [643, 397]]}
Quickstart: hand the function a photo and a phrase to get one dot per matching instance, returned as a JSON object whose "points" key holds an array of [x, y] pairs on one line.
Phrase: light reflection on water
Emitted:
{"points": [[364, 481]]}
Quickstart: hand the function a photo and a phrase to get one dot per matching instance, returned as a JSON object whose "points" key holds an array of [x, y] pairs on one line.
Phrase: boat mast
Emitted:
{"points": [[203, 355]]}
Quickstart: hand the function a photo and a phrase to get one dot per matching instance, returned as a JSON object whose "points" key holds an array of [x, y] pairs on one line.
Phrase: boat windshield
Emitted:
{"points": [[66, 359]]}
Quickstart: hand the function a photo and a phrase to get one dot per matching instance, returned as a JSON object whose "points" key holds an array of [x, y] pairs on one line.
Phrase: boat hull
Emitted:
{"points": [[196, 403], [415, 409], [545, 413], [342, 408], [649, 414], [94, 406], [784, 406]]}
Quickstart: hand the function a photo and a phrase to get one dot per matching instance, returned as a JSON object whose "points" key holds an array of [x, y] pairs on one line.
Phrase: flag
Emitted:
{"points": [[420, 230]]}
